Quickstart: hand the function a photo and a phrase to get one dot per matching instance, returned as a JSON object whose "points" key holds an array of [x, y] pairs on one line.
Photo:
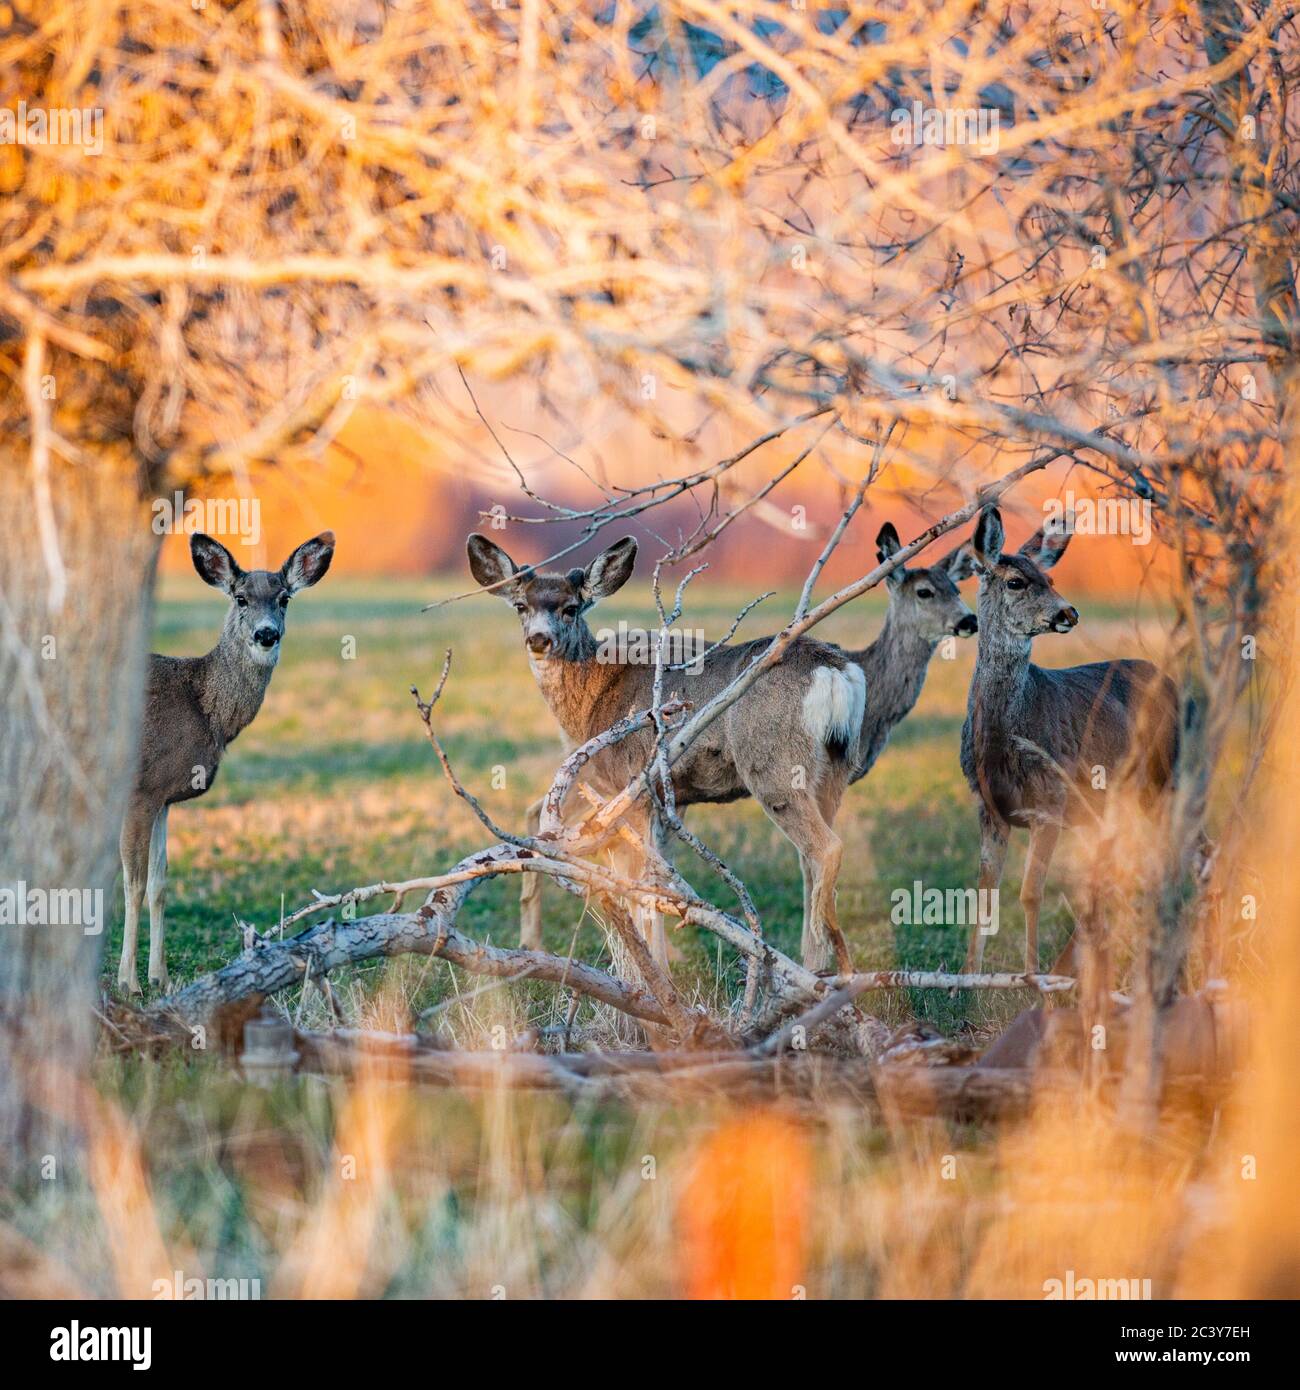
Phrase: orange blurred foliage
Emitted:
{"points": [[402, 504], [744, 1212]]}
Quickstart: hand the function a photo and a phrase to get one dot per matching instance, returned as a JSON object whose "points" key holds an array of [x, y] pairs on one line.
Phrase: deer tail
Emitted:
{"points": [[833, 708]]}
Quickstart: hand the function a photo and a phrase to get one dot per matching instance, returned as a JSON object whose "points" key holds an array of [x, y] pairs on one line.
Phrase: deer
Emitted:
{"points": [[195, 706], [1034, 738], [925, 607], [791, 741]]}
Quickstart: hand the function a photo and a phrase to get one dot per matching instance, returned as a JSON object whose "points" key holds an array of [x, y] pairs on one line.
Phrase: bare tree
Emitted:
{"points": [[987, 240]]}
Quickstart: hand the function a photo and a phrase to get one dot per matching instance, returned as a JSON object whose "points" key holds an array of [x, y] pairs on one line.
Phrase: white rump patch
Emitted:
{"points": [[834, 704]]}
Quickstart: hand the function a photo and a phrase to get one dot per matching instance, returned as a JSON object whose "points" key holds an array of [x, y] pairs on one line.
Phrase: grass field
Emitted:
{"points": [[334, 785], [317, 1187]]}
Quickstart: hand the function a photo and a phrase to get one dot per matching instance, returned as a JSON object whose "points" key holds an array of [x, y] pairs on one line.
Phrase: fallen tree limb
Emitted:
{"points": [[939, 979], [827, 1007], [345, 1051], [271, 966], [966, 1094]]}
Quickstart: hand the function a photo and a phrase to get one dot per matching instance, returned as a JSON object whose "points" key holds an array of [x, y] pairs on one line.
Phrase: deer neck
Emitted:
{"points": [[894, 665], [231, 684], [573, 682], [997, 688]]}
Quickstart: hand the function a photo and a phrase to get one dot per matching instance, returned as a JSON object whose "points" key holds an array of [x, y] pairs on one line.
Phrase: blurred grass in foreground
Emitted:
{"points": [[318, 1188], [334, 785]]}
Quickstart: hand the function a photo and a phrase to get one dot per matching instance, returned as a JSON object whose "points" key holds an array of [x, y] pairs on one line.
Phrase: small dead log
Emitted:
{"points": [[967, 1094], [271, 966], [903, 1091], [1202, 1038], [411, 1057], [892, 1091]]}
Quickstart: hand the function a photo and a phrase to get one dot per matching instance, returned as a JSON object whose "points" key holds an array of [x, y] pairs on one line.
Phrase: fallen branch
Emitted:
{"points": [[273, 965], [939, 979], [901, 1091]]}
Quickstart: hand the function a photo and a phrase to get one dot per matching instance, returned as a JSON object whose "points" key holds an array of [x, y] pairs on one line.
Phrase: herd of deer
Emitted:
{"points": [[1031, 744]]}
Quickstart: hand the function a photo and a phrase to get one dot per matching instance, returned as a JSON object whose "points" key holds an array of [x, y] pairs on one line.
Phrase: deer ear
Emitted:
{"points": [[215, 564], [309, 563], [959, 563], [611, 569], [986, 543], [887, 544], [1046, 546], [489, 564]]}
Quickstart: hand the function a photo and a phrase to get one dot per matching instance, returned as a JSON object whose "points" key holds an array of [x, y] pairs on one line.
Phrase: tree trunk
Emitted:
{"points": [[71, 682], [1247, 158]]}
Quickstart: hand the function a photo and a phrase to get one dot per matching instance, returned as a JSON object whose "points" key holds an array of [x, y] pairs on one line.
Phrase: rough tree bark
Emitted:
{"points": [[76, 571], [1246, 153]]}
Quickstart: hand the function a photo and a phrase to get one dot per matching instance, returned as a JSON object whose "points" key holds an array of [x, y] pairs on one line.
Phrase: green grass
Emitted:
{"points": [[323, 1187], [335, 785]]}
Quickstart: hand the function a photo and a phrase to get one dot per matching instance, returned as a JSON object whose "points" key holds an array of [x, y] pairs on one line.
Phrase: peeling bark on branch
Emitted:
{"points": [[272, 966]]}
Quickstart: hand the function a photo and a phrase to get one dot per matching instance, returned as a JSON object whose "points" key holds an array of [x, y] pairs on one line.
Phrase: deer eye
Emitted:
{"points": [[521, 608], [241, 602], [925, 593], [1015, 583], [284, 600], [569, 613]]}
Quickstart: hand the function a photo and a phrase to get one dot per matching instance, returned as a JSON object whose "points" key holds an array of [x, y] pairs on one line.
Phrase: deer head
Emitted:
{"points": [[259, 598], [926, 601], [552, 606], [1016, 596]]}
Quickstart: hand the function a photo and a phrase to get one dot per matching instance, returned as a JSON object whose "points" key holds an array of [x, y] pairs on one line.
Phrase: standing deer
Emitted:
{"points": [[1034, 739], [194, 707], [924, 608], [809, 715], [789, 741]]}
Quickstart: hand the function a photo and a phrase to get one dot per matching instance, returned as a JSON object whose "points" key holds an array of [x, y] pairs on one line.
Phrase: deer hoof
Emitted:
{"points": [[132, 987], [161, 986]]}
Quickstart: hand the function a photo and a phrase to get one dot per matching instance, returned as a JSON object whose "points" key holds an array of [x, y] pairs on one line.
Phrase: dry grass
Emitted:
{"points": [[305, 210], [323, 1189]]}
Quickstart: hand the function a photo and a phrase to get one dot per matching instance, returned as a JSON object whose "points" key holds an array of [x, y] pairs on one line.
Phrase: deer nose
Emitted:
{"points": [[266, 637], [1066, 619], [539, 643], [968, 626]]}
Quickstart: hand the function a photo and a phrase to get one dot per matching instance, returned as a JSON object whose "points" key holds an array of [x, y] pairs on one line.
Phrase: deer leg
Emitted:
{"points": [[829, 795], [825, 877], [820, 850], [157, 888], [1042, 843], [134, 845], [530, 890], [994, 834], [806, 935], [637, 862], [651, 921]]}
